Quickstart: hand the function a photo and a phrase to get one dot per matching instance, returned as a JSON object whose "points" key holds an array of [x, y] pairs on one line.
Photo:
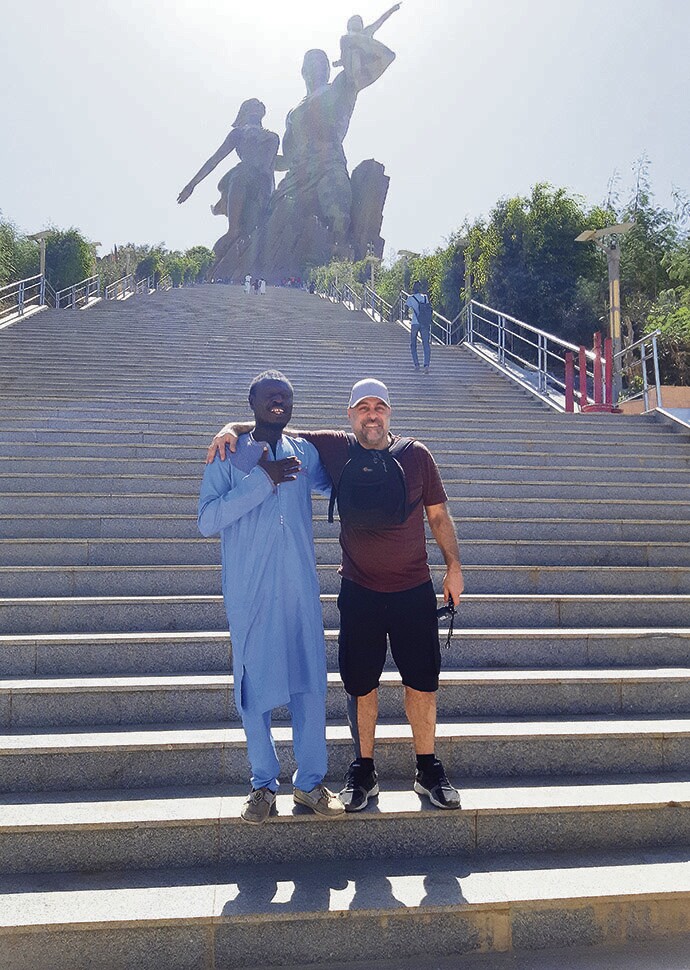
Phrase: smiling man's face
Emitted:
{"points": [[370, 419], [271, 402]]}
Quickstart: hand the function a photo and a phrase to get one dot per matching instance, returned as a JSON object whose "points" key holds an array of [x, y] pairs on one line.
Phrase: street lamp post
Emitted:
{"points": [[40, 238], [607, 241]]}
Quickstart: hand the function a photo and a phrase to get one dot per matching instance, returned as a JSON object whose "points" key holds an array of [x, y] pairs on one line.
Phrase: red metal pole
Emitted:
{"points": [[608, 354], [583, 377], [598, 398], [569, 383]]}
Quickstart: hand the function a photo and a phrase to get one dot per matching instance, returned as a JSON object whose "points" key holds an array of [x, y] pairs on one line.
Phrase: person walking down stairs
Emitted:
{"points": [[262, 509]]}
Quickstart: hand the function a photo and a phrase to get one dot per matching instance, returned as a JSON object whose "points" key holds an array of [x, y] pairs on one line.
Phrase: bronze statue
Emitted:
{"points": [[317, 211], [246, 189]]}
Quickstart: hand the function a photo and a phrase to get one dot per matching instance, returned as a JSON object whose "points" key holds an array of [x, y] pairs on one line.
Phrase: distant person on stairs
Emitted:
{"points": [[386, 592], [418, 302], [260, 504]]}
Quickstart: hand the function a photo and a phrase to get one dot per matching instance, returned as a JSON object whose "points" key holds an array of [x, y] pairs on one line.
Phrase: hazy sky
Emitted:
{"points": [[108, 107]]}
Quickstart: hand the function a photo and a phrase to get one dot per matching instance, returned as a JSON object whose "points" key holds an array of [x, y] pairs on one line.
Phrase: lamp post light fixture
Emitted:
{"points": [[40, 238], [607, 241]]}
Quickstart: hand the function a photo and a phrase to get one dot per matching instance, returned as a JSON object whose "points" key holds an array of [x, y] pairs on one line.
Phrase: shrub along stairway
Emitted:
{"points": [[565, 697]]}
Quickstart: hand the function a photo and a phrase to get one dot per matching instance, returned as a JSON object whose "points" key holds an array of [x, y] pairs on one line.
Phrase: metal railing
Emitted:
{"points": [[351, 297], [375, 306], [533, 357], [443, 330], [144, 285], [79, 294], [334, 294], [165, 283], [634, 363], [121, 289], [16, 298]]}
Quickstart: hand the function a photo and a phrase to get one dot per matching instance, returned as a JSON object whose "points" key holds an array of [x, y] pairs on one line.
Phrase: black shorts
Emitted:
{"points": [[368, 619]]}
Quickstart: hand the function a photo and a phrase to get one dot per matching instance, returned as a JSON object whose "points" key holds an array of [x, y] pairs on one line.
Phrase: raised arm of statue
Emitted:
{"points": [[229, 145], [372, 28]]}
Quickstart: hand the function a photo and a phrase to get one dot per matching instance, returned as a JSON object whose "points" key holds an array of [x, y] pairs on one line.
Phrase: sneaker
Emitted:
{"points": [[436, 786], [320, 800], [258, 805], [360, 786]]}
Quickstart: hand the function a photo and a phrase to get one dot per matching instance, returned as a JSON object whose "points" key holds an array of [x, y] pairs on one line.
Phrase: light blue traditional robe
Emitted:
{"points": [[270, 586]]}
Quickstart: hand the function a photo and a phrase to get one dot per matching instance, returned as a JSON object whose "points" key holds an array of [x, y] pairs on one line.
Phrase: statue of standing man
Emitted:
{"points": [[317, 181]]}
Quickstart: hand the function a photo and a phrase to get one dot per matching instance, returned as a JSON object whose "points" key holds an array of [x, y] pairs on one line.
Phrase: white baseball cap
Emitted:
{"points": [[369, 387]]}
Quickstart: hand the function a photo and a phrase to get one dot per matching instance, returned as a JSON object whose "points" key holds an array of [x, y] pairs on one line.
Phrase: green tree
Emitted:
{"points": [[531, 266], [19, 256], [201, 259], [69, 258]]}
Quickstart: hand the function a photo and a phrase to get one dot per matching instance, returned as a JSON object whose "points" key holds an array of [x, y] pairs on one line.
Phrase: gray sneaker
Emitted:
{"points": [[258, 805], [319, 800]]}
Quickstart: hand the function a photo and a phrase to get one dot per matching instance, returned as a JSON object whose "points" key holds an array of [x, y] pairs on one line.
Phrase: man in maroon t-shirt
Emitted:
{"points": [[387, 595]]}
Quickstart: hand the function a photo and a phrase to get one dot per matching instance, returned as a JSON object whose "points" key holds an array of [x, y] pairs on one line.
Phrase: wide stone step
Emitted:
{"points": [[483, 526], [25, 616], [146, 756], [40, 432], [67, 702], [669, 954], [28, 421], [476, 448], [156, 552], [195, 580], [452, 458], [180, 828], [465, 470], [288, 913], [144, 493], [205, 652]]}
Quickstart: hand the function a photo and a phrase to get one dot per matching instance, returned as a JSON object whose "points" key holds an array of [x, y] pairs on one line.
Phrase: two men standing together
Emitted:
{"points": [[260, 502]]}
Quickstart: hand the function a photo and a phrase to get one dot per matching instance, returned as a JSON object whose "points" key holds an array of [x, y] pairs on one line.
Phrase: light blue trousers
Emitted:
{"points": [[308, 714], [425, 334]]}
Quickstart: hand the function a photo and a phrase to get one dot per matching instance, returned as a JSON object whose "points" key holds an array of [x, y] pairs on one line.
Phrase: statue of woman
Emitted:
{"points": [[246, 189]]}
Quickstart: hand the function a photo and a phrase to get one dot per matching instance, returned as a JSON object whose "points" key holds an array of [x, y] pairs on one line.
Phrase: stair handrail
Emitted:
{"points": [[120, 289], [144, 285], [17, 297], [375, 306], [78, 294], [541, 365], [165, 282], [443, 330], [351, 296], [630, 369]]}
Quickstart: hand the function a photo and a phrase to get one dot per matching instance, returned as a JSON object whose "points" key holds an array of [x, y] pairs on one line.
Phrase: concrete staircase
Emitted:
{"points": [[565, 697]]}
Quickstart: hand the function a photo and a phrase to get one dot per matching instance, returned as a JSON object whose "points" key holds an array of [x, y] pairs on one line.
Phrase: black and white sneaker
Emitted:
{"points": [[360, 786], [436, 787]]}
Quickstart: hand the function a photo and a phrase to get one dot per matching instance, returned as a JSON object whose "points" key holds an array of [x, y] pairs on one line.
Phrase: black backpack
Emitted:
{"points": [[425, 313], [372, 490]]}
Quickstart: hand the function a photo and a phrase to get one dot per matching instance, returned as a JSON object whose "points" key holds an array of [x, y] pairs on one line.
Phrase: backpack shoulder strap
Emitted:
{"points": [[399, 446], [351, 445], [395, 450]]}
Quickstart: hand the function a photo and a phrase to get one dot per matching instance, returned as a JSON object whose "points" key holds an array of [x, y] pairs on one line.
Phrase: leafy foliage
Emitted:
{"points": [[19, 256], [69, 258]]}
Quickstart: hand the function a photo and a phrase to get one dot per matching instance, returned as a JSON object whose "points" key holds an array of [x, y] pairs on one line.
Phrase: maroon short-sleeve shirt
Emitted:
{"points": [[393, 559]]}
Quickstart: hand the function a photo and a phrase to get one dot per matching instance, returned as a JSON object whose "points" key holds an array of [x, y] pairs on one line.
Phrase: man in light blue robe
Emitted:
{"points": [[261, 506]]}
